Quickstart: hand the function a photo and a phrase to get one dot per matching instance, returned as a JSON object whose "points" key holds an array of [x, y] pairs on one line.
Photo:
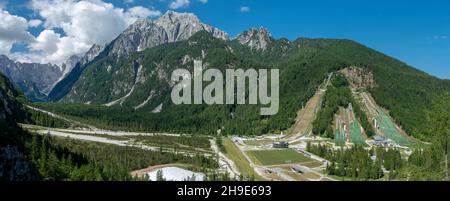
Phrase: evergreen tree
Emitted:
{"points": [[439, 126]]}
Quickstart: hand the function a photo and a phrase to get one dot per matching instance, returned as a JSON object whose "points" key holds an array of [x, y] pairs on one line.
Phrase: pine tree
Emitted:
{"points": [[159, 175], [34, 149]]}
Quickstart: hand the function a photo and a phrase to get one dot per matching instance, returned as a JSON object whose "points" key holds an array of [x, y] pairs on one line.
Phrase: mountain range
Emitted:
{"points": [[35, 80]]}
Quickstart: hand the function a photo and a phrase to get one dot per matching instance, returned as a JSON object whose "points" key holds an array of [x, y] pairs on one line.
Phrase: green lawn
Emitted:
{"points": [[277, 157]]}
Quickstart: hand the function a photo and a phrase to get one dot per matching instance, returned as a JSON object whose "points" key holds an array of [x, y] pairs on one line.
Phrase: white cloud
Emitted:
{"points": [[5, 47], [203, 1], [83, 23], [12, 29], [34, 22], [245, 9], [143, 12], [179, 4], [47, 41]]}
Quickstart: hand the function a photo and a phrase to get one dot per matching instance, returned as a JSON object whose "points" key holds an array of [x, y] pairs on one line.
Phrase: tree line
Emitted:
{"points": [[59, 159]]}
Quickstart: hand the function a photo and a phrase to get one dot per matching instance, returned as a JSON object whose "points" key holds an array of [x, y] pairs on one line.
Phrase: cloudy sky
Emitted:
{"points": [[414, 31]]}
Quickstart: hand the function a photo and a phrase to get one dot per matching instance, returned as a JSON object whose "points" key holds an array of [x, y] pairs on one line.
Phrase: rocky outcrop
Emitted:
{"points": [[86, 58], [359, 77], [255, 39], [70, 64], [92, 53]]}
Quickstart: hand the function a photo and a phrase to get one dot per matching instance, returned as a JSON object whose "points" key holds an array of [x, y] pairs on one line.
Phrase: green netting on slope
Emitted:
{"points": [[339, 138], [355, 134], [390, 131]]}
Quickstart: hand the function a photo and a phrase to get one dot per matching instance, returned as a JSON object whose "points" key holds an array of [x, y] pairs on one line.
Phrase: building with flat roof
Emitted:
{"points": [[280, 145]]}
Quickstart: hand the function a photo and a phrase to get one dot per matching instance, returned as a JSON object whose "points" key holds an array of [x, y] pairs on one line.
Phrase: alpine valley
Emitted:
{"points": [[346, 111]]}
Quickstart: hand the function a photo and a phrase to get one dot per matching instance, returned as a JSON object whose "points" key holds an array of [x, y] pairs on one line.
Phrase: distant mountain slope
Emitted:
{"points": [[34, 80]]}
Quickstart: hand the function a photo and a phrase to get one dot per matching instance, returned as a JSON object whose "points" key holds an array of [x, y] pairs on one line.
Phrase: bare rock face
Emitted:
{"points": [[359, 77], [93, 52], [181, 26], [90, 55], [140, 35], [171, 27], [70, 63], [256, 39]]}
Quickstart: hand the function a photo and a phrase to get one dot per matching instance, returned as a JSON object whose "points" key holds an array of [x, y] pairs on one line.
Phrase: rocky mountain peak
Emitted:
{"points": [[171, 27], [181, 26], [175, 17], [140, 24], [255, 38]]}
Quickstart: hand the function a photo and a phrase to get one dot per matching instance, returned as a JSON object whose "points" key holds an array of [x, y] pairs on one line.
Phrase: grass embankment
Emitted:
{"points": [[235, 154]]}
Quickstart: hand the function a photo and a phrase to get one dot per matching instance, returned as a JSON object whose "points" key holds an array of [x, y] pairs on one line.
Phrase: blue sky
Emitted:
{"points": [[416, 32]]}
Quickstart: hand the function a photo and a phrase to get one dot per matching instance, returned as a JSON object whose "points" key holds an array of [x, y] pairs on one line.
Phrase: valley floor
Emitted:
{"points": [[254, 157]]}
